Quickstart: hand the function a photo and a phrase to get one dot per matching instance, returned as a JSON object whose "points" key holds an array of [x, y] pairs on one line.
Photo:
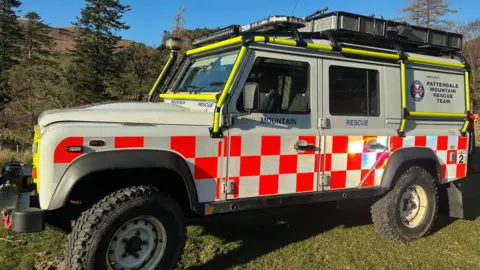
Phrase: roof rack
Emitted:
{"points": [[368, 30], [347, 27]]}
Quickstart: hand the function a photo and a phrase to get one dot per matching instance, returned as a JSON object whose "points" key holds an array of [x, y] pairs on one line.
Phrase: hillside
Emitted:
{"points": [[64, 39]]}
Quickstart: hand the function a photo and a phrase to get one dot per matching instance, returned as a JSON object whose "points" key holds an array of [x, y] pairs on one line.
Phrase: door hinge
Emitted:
{"points": [[324, 122], [325, 180], [226, 121], [229, 187]]}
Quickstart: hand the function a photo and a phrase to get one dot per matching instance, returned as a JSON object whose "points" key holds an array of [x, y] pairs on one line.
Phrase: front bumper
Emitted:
{"points": [[21, 213]]}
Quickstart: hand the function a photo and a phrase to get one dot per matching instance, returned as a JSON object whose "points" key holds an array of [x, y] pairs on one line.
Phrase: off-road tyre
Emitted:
{"points": [[386, 211], [92, 231]]}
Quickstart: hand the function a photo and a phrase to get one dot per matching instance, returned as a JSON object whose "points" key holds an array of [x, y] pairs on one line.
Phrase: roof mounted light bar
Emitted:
{"points": [[229, 31], [277, 24], [274, 23]]}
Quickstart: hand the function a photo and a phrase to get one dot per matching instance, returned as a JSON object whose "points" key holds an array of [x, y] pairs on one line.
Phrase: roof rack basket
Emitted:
{"points": [[368, 30]]}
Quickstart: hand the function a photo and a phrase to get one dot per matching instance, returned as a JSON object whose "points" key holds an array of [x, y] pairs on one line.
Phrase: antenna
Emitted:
{"points": [[315, 14], [295, 7]]}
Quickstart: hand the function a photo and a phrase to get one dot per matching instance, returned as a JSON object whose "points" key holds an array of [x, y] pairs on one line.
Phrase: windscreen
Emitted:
{"points": [[207, 74]]}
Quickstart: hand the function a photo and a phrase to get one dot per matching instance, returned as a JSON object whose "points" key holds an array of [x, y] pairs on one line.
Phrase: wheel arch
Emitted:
{"points": [[125, 159], [406, 157]]}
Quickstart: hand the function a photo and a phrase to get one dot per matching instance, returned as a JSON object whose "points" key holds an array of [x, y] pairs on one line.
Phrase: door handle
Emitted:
{"points": [[374, 145], [304, 146]]}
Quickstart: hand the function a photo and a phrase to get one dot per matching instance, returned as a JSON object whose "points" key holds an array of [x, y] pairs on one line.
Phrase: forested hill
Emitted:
{"points": [[64, 38], [44, 67]]}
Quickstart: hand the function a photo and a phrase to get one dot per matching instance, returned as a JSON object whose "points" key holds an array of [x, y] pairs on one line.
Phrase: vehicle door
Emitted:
{"points": [[275, 149], [355, 142]]}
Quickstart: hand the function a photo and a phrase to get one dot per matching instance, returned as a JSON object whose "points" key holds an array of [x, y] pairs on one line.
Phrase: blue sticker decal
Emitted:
{"points": [[417, 91]]}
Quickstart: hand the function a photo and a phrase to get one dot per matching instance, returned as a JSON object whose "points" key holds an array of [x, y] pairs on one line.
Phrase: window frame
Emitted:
{"points": [[308, 93], [188, 62], [378, 84]]}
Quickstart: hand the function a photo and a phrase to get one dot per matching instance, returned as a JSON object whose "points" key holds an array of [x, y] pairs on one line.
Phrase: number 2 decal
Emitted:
{"points": [[461, 157]]}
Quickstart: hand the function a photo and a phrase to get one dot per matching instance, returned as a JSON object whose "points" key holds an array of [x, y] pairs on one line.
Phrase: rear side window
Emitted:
{"points": [[353, 91], [283, 86]]}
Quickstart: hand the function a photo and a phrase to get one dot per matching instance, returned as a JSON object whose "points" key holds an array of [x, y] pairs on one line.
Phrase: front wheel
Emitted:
{"points": [[409, 211], [132, 228]]}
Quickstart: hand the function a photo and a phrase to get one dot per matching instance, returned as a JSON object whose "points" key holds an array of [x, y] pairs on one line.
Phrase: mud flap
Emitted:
{"points": [[456, 200]]}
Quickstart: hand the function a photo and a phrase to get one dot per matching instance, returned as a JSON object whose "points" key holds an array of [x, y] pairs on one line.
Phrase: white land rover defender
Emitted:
{"points": [[282, 111]]}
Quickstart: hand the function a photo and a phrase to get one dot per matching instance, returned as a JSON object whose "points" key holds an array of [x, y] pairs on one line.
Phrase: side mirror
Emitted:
{"points": [[250, 96]]}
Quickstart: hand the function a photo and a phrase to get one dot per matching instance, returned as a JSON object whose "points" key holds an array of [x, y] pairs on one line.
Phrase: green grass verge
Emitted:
{"points": [[322, 236]]}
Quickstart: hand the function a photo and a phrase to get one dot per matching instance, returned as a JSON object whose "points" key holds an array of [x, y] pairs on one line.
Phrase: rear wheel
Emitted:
{"points": [[132, 228], [409, 211]]}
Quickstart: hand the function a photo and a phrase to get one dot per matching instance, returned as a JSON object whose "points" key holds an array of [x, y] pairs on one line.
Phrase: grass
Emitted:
{"points": [[320, 236], [8, 156]]}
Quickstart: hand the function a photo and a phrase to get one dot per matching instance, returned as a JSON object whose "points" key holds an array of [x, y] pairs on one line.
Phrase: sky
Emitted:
{"points": [[149, 18]]}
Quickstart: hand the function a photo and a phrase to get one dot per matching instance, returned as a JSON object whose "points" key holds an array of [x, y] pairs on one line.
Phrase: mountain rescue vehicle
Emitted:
{"points": [[282, 111]]}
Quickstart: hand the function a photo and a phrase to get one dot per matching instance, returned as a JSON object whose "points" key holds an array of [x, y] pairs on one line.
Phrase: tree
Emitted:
{"points": [[471, 50], [178, 20], [142, 64], [37, 41], [428, 13], [10, 38], [95, 63], [35, 86]]}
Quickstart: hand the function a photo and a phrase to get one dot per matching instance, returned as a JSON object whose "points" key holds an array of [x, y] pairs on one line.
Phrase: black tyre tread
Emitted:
{"points": [[382, 210], [83, 228]]}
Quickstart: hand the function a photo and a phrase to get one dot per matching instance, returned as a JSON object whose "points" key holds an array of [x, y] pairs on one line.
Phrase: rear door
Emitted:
{"points": [[355, 141], [274, 151]]}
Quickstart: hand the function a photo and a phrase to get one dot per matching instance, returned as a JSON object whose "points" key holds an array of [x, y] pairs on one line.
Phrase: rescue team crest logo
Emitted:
{"points": [[417, 91]]}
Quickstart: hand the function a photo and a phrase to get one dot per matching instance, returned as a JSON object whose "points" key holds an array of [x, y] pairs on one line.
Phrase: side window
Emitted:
{"points": [[283, 86], [353, 91]]}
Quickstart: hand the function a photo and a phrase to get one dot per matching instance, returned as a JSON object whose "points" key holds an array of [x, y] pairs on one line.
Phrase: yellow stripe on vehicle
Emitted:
{"points": [[216, 121], [215, 45], [259, 39], [370, 53], [435, 62], [319, 47], [467, 90], [402, 125], [280, 41], [438, 114], [36, 155], [190, 96], [228, 84], [161, 74], [404, 85], [465, 126]]}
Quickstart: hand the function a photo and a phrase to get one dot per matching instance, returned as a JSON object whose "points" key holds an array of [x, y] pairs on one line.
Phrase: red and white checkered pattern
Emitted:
{"points": [[349, 162], [452, 152], [269, 165]]}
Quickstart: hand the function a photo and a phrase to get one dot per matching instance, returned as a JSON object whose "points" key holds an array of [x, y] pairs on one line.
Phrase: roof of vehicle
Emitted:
{"points": [[347, 29]]}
